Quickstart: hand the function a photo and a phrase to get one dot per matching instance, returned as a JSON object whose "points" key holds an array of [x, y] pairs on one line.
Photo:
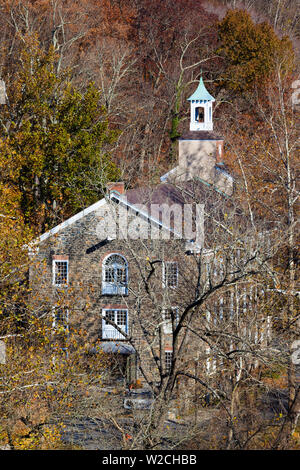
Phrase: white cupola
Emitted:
{"points": [[201, 109]]}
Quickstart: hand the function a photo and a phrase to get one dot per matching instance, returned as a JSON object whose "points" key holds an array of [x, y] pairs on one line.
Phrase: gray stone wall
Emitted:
{"points": [[198, 159], [80, 243]]}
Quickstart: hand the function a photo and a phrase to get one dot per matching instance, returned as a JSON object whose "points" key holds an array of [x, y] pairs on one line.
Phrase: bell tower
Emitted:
{"points": [[201, 109], [200, 150]]}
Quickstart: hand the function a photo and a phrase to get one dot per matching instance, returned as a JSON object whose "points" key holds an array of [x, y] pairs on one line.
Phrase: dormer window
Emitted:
{"points": [[115, 275]]}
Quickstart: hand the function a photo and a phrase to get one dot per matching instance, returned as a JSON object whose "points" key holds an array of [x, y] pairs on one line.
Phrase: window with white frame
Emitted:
{"points": [[170, 274], [115, 275], [60, 319], [60, 272], [120, 318], [168, 360], [170, 319]]}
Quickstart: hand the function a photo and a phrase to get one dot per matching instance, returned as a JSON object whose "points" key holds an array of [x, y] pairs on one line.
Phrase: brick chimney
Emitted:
{"points": [[118, 186]]}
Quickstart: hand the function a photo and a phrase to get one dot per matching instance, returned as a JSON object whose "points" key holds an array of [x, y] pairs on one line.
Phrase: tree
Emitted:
{"points": [[251, 51], [41, 384], [282, 14], [60, 135], [267, 160]]}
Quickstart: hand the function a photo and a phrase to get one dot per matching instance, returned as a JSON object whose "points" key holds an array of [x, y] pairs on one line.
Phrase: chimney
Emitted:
{"points": [[118, 186]]}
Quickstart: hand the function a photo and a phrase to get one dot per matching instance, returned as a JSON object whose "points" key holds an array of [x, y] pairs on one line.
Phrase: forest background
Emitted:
{"points": [[95, 91]]}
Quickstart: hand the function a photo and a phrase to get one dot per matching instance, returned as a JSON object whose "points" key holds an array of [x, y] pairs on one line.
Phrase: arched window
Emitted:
{"points": [[115, 275]]}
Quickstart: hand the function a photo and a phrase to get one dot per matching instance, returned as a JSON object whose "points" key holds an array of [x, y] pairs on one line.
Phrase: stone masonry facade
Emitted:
{"points": [[78, 244]]}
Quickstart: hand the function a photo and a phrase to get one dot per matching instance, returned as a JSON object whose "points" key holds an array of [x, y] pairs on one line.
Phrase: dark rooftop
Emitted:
{"points": [[167, 193], [201, 135], [218, 207]]}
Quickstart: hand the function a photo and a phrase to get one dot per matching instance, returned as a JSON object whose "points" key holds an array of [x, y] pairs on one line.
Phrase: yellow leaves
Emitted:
{"points": [[251, 50], [27, 439]]}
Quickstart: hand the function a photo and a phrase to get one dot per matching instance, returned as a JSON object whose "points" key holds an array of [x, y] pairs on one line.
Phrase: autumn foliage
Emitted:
{"points": [[96, 92], [251, 51]]}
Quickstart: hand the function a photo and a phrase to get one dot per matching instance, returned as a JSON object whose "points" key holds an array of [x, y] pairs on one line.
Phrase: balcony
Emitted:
{"points": [[112, 288], [109, 332]]}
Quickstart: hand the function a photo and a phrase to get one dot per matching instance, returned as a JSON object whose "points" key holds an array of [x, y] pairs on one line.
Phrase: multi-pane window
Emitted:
{"points": [[115, 275], [170, 274], [60, 272], [170, 319], [60, 319], [60, 328], [120, 318], [168, 361]]}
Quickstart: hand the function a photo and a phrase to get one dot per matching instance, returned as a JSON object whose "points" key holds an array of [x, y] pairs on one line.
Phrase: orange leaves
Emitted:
{"points": [[251, 51]]}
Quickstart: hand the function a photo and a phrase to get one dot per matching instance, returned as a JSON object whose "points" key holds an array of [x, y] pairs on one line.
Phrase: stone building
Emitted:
{"points": [[124, 267]]}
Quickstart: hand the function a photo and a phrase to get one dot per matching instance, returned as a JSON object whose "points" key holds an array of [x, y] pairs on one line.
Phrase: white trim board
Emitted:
{"points": [[72, 219], [146, 215]]}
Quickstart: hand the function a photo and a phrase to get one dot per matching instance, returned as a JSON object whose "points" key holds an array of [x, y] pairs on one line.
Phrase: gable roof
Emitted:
{"points": [[114, 195], [145, 211], [164, 193]]}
